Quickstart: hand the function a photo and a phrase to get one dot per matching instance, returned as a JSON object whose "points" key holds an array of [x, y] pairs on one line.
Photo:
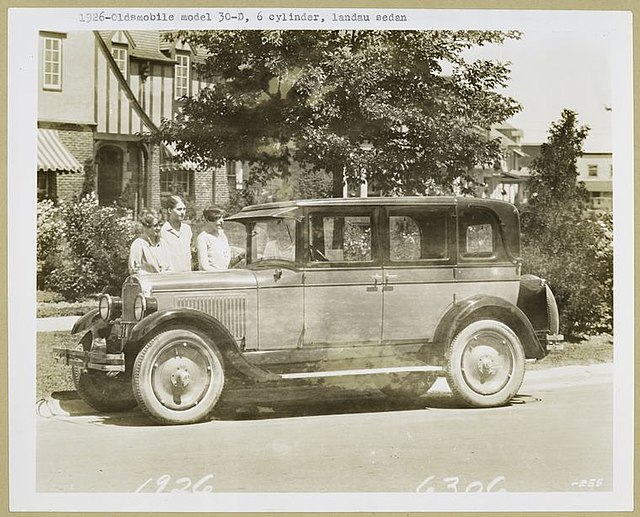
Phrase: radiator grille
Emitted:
{"points": [[129, 293], [229, 310]]}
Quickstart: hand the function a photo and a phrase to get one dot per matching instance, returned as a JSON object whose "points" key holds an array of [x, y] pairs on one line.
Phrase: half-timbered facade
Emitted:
{"points": [[101, 93]]}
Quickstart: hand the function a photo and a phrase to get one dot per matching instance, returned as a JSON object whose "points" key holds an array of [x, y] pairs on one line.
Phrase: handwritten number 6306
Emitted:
{"points": [[452, 484]]}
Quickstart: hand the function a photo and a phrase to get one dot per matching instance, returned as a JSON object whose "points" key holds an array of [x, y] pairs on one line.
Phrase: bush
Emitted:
{"points": [[576, 257], [94, 252], [49, 238]]}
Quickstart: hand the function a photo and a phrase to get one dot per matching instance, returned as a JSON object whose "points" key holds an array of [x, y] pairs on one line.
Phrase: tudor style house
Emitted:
{"points": [[99, 94]]}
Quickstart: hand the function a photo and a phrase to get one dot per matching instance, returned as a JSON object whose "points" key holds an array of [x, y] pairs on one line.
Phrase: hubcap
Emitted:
{"points": [[487, 362], [181, 375]]}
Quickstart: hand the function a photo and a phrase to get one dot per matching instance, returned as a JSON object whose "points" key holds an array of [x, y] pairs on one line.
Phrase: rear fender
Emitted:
{"points": [[186, 318], [475, 308]]}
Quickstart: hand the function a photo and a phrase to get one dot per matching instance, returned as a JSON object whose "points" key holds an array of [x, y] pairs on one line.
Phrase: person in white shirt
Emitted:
{"points": [[214, 252], [176, 235], [146, 254]]}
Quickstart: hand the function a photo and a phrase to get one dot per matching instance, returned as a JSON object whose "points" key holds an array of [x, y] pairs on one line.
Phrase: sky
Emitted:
{"points": [[553, 70]]}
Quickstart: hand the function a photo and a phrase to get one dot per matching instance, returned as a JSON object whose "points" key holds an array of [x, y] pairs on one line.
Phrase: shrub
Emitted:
{"points": [[49, 237], [95, 249]]}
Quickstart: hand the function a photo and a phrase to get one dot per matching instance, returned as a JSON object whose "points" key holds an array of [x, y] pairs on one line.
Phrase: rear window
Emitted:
{"points": [[479, 237]]}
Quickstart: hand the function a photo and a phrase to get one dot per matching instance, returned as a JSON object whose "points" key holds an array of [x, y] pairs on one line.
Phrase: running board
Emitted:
{"points": [[364, 371]]}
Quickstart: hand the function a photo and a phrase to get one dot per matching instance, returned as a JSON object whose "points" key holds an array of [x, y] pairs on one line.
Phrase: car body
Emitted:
{"points": [[406, 289]]}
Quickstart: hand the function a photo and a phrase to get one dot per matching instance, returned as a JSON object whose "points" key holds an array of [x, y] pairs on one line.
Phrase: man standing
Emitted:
{"points": [[176, 235]]}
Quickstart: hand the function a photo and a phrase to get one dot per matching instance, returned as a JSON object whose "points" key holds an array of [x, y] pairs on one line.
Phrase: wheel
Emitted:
{"points": [[101, 391], [406, 386], [178, 377], [485, 364]]}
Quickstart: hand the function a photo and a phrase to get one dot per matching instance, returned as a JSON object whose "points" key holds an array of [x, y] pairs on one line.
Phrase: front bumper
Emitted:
{"points": [[90, 360]]}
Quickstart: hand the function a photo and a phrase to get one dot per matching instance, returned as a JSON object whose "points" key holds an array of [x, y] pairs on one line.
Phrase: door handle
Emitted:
{"points": [[277, 275], [376, 279]]}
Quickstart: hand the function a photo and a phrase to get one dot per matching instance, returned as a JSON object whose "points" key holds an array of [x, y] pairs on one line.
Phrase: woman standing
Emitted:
{"points": [[146, 254], [214, 253], [176, 235]]}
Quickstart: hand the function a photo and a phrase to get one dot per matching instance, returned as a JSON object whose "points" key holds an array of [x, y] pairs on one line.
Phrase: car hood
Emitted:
{"points": [[197, 280]]}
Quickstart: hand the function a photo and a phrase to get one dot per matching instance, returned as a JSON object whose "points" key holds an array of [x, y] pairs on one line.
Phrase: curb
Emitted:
{"points": [[68, 405]]}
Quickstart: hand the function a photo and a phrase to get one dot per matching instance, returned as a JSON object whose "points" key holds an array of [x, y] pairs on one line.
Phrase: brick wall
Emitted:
{"points": [[154, 178], [203, 189], [220, 186], [79, 141]]}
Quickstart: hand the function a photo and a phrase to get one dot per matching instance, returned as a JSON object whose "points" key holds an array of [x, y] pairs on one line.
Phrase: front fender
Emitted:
{"points": [[210, 326], [464, 311], [90, 320]]}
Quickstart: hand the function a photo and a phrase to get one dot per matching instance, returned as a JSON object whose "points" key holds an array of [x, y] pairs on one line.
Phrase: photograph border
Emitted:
{"points": [[621, 262]]}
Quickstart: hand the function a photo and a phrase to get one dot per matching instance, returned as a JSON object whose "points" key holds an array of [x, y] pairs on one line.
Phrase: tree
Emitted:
{"points": [[403, 109], [562, 243]]}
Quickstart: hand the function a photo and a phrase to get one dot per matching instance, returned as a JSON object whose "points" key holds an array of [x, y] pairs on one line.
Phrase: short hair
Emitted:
{"points": [[172, 201], [212, 213], [147, 216]]}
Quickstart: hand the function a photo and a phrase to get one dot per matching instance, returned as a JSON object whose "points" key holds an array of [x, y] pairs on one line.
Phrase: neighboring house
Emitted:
{"points": [[99, 94], [507, 179], [595, 169]]}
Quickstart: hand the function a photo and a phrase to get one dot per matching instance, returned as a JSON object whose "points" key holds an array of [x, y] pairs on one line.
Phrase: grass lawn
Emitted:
{"points": [[591, 350], [52, 376], [51, 304]]}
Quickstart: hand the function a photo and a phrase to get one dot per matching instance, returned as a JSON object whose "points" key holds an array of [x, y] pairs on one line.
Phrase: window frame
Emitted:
{"points": [[173, 182], [181, 59], [372, 212], [499, 253], [121, 48], [592, 170], [46, 84], [448, 212]]}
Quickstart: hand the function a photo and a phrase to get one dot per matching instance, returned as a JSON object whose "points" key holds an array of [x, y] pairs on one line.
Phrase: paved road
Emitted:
{"points": [[557, 436]]}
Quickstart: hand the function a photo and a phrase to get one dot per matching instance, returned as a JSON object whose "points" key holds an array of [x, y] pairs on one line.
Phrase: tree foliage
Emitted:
{"points": [[403, 108], [569, 247]]}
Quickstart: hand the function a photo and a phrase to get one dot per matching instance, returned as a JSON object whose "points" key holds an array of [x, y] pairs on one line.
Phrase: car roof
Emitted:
{"points": [[285, 207]]}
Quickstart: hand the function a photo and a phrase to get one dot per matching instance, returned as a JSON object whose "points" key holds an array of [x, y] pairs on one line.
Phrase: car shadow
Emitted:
{"points": [[277, 401]]}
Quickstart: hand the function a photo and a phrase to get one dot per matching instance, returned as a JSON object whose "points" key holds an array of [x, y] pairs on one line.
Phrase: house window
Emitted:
{"points": [[175, 182], [234, 175], [52, 62], [46, 185], [593, 171], [182, 76], [121, 58]]}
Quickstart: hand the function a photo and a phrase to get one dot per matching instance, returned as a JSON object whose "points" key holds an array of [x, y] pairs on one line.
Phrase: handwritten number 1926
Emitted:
{"points": [[183, 484]]}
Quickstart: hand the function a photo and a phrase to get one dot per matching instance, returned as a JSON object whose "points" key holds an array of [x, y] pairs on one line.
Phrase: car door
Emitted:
{"points": [[274, 249], [418, 273], [342, 277]]}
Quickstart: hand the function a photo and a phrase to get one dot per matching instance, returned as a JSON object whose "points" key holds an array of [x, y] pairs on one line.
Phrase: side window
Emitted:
{"points": [[340, 238], [419, 235], [479, 238], [274, 239], [405, 241]]}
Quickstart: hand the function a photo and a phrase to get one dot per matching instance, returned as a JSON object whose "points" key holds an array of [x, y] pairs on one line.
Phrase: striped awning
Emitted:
{"points": [[171, 161], [53, 155]]}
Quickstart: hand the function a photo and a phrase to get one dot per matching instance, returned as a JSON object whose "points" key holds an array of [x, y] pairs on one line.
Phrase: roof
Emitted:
{"points": [[287, 207], [145, 44], [53, 155], [598, 185]]}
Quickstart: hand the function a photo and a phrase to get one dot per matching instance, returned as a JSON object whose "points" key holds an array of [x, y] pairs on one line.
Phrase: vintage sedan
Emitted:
{"points": [[403, 289]]}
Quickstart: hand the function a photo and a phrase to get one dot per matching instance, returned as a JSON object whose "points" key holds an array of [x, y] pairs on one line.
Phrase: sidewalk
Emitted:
{"points": [[52, 324]]}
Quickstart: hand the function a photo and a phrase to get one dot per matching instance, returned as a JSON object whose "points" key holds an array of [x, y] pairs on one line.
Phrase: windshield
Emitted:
{"points": [[273, 239]]}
